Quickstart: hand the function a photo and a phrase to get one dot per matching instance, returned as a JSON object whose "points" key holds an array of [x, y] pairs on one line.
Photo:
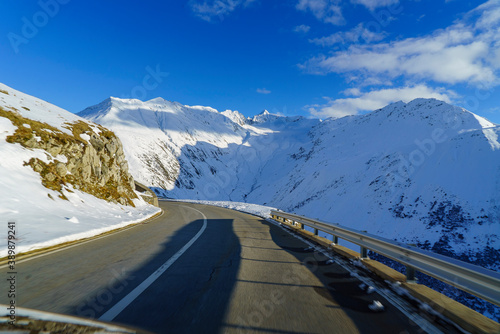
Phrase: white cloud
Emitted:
{"points": [[375, 99], [263, 91], [373, 4], [462, 53], [487, 17], [328, 11], [302, 29], [210, 9], [355, 35]]}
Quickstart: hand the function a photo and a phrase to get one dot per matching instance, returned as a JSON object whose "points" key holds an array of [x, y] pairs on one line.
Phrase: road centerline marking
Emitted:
{"points": [[128, 299]]}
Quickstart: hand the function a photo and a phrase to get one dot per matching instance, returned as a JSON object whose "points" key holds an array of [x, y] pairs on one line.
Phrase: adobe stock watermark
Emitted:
{"points": [[12, 272], [483, 91], [426, 147], [94, 305], [151, 80], [383, 17], [292, 280], [31, 26]]}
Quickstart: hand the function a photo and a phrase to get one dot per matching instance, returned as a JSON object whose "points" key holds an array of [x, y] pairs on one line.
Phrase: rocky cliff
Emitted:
{"points": [[87, 157]]}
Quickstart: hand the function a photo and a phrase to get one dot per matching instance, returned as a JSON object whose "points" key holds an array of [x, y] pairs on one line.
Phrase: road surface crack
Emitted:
{"points": [[215, 269]]}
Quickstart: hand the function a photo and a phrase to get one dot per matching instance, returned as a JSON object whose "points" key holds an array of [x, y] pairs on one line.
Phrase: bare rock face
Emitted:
{"points": [[90, 159]]}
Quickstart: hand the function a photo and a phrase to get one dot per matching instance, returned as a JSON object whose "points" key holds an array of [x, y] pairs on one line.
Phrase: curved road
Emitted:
{"points": [[220, 271]]}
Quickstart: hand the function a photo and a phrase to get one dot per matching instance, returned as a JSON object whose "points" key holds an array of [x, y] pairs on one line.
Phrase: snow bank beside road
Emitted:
{"points": [[254, 209]]}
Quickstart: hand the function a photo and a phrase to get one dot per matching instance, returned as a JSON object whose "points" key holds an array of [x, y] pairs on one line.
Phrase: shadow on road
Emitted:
{"points": [[191, 296], [340, 290]]}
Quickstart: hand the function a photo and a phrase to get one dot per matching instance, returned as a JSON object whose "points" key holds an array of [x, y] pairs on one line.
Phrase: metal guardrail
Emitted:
{"points": [[476, 280], [147, 192]]}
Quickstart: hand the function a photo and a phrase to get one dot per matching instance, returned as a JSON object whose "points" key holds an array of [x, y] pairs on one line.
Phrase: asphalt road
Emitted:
{"points": [[237, 273]]}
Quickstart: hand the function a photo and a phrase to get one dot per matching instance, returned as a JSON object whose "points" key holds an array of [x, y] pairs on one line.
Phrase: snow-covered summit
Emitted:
{"points": [[405, 124], [156, 112], [431, 112], [267, 117], [236, 117]]}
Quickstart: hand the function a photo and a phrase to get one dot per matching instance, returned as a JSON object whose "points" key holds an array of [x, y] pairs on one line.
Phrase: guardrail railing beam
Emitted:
{"points": [[476, 280]]}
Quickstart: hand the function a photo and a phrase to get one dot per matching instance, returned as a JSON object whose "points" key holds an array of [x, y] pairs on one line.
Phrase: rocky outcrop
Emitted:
{"points": [[87, 157]]}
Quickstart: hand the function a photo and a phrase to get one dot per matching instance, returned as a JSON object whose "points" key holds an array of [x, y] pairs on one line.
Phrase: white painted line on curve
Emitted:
{"points": [[128, 299]]}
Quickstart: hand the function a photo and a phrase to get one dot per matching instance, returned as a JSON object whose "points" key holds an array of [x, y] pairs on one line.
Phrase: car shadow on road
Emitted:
{"points": [[191, 296]]}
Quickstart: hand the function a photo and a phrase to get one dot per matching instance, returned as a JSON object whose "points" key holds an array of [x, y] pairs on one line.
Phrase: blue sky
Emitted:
{"points": [[296, 57]]}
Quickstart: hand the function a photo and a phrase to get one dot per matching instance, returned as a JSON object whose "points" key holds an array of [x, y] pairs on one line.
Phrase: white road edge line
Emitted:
{"points": [[128, 299], [125, 228]]}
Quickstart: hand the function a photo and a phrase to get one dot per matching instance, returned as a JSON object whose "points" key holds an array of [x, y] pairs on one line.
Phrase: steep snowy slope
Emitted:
{"points": [[425, 172], [48, 183]]}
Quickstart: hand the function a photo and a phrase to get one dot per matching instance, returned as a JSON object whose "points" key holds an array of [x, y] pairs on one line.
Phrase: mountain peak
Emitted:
{"points": [[98, 109], [265, 116], [429, 111], [235, 116], [157, 100]]}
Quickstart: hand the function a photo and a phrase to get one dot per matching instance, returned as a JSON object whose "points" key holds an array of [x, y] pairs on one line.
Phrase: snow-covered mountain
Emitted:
{"points": [[425, 172], [61, 177]]}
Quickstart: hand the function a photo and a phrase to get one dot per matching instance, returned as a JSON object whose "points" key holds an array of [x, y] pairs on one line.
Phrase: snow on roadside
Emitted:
{"points": [[41, 221], [254, 209], [40, 226]]}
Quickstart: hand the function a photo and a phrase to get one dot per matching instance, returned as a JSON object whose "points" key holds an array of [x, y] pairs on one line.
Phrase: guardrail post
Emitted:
{"points": [[364, 253], [335, 239], [410, 275], [315, 231]]}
